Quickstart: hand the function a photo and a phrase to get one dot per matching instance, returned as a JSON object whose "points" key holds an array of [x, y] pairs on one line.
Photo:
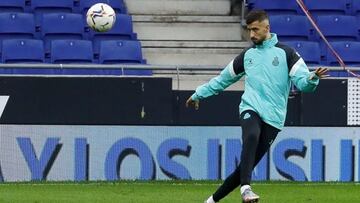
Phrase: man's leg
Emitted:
{"points": [[230, 183], [251, 129], [267, 136], [251, 125]]}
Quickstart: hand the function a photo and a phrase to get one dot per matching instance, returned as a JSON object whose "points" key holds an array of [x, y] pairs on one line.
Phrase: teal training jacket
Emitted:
{"points": [[268, 69]]}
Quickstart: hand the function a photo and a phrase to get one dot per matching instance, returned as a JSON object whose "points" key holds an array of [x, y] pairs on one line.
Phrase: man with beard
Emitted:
{"points": [[268, 67]]}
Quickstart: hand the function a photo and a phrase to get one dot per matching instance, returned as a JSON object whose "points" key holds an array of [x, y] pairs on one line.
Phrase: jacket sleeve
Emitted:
{"points": [[300, 74], [229, 75]]}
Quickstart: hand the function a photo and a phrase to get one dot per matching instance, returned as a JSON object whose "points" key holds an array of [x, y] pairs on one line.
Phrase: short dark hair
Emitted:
{"points": [[256, 15]]}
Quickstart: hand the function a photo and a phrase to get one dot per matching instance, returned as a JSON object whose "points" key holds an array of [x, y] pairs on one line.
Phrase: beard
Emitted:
{"points": [[257, 41]]}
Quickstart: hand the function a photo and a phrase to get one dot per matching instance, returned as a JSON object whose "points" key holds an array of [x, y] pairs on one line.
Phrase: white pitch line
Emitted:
{"points": [[174, 184]]}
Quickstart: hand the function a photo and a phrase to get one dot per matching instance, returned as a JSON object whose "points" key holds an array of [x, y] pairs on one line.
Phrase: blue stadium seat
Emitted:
{"points": [[309, 51], [71, 51], [120, 51], [275, 6], [117, 5], [356, 7], [338, 27], [123, 52], [12, 6], [50, 6], [249, 2], [348, 51], [17, 25], [61, 26], [22, 51], [122, 30], [40, 7], [290, 27], [328, 7]]}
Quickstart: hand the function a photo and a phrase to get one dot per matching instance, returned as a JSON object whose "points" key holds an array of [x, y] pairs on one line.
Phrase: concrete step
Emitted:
{"points": [[211, 28], [185, 19], [195, 44], [190, 56], [178, 7], [208, 53]]}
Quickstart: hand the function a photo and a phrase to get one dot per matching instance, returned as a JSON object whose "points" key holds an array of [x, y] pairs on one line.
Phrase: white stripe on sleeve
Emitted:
{"points": [[231, 68], [296, 67]]}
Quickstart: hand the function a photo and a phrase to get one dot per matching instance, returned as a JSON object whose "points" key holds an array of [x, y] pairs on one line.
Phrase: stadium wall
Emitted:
{"points": [[150, 101], [110, 128]]}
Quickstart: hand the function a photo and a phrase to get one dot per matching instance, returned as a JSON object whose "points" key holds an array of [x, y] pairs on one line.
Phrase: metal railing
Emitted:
{"points": [[138, 67], [176, 72]]}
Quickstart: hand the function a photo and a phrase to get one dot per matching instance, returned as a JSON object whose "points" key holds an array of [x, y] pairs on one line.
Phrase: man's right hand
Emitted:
{"points": [[191, 102]]}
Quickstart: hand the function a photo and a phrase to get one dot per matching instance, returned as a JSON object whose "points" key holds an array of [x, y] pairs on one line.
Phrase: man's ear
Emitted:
{"points": [[268, 27]]}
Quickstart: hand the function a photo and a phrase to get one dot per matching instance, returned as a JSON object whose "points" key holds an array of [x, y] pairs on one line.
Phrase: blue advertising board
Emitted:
{"points": [[82, 152]]}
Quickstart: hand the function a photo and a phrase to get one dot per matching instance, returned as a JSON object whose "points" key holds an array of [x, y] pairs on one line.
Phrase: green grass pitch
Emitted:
{"points": [[173, 192]]}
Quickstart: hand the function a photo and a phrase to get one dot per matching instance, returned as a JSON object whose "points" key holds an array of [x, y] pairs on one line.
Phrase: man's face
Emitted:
{"points": [[258, 31]]}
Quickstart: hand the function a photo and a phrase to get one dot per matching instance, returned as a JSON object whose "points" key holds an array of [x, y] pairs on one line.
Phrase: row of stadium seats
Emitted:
{"points": [[64, 6], [61, 26], [334, 27], [129, 52], [342, 31], [313, 54], [316, 7], [71, 51], [55, 31]]}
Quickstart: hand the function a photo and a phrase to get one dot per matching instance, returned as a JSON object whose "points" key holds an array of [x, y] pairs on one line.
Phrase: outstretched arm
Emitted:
{"points": [[217, 84], [300, 75]]}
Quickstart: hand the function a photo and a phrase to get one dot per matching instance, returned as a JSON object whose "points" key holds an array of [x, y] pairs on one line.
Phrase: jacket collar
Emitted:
{"points": [[269, 42]]}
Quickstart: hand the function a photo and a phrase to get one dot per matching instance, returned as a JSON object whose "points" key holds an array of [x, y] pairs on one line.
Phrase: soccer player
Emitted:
{"points": [[268, 67]]}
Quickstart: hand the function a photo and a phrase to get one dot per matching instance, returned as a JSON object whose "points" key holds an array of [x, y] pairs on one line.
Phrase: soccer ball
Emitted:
{"points": [[101, 17]]}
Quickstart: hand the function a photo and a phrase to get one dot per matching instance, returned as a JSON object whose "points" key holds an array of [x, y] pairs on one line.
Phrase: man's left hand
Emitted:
{"points": [[321, 73]]}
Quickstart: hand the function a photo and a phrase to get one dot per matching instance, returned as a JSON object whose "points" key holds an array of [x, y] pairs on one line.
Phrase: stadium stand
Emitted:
{"points": [[187, 32], [61, 26], [122, 30], [17, 25], [12, 6], [51, 6], [356, 8], [123, 52], [309, 51], [275, 6], [22, 51], [329, 7], [71, 51], [338, 27], [40, 7], [54, 20], [348, 51], [116, 51], [291, 27], [64, 19]]}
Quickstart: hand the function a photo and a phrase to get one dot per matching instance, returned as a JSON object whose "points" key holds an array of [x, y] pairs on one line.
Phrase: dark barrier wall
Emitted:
{"points": [[327, 106], [149, 101], [68, 100], [222, 109]]}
